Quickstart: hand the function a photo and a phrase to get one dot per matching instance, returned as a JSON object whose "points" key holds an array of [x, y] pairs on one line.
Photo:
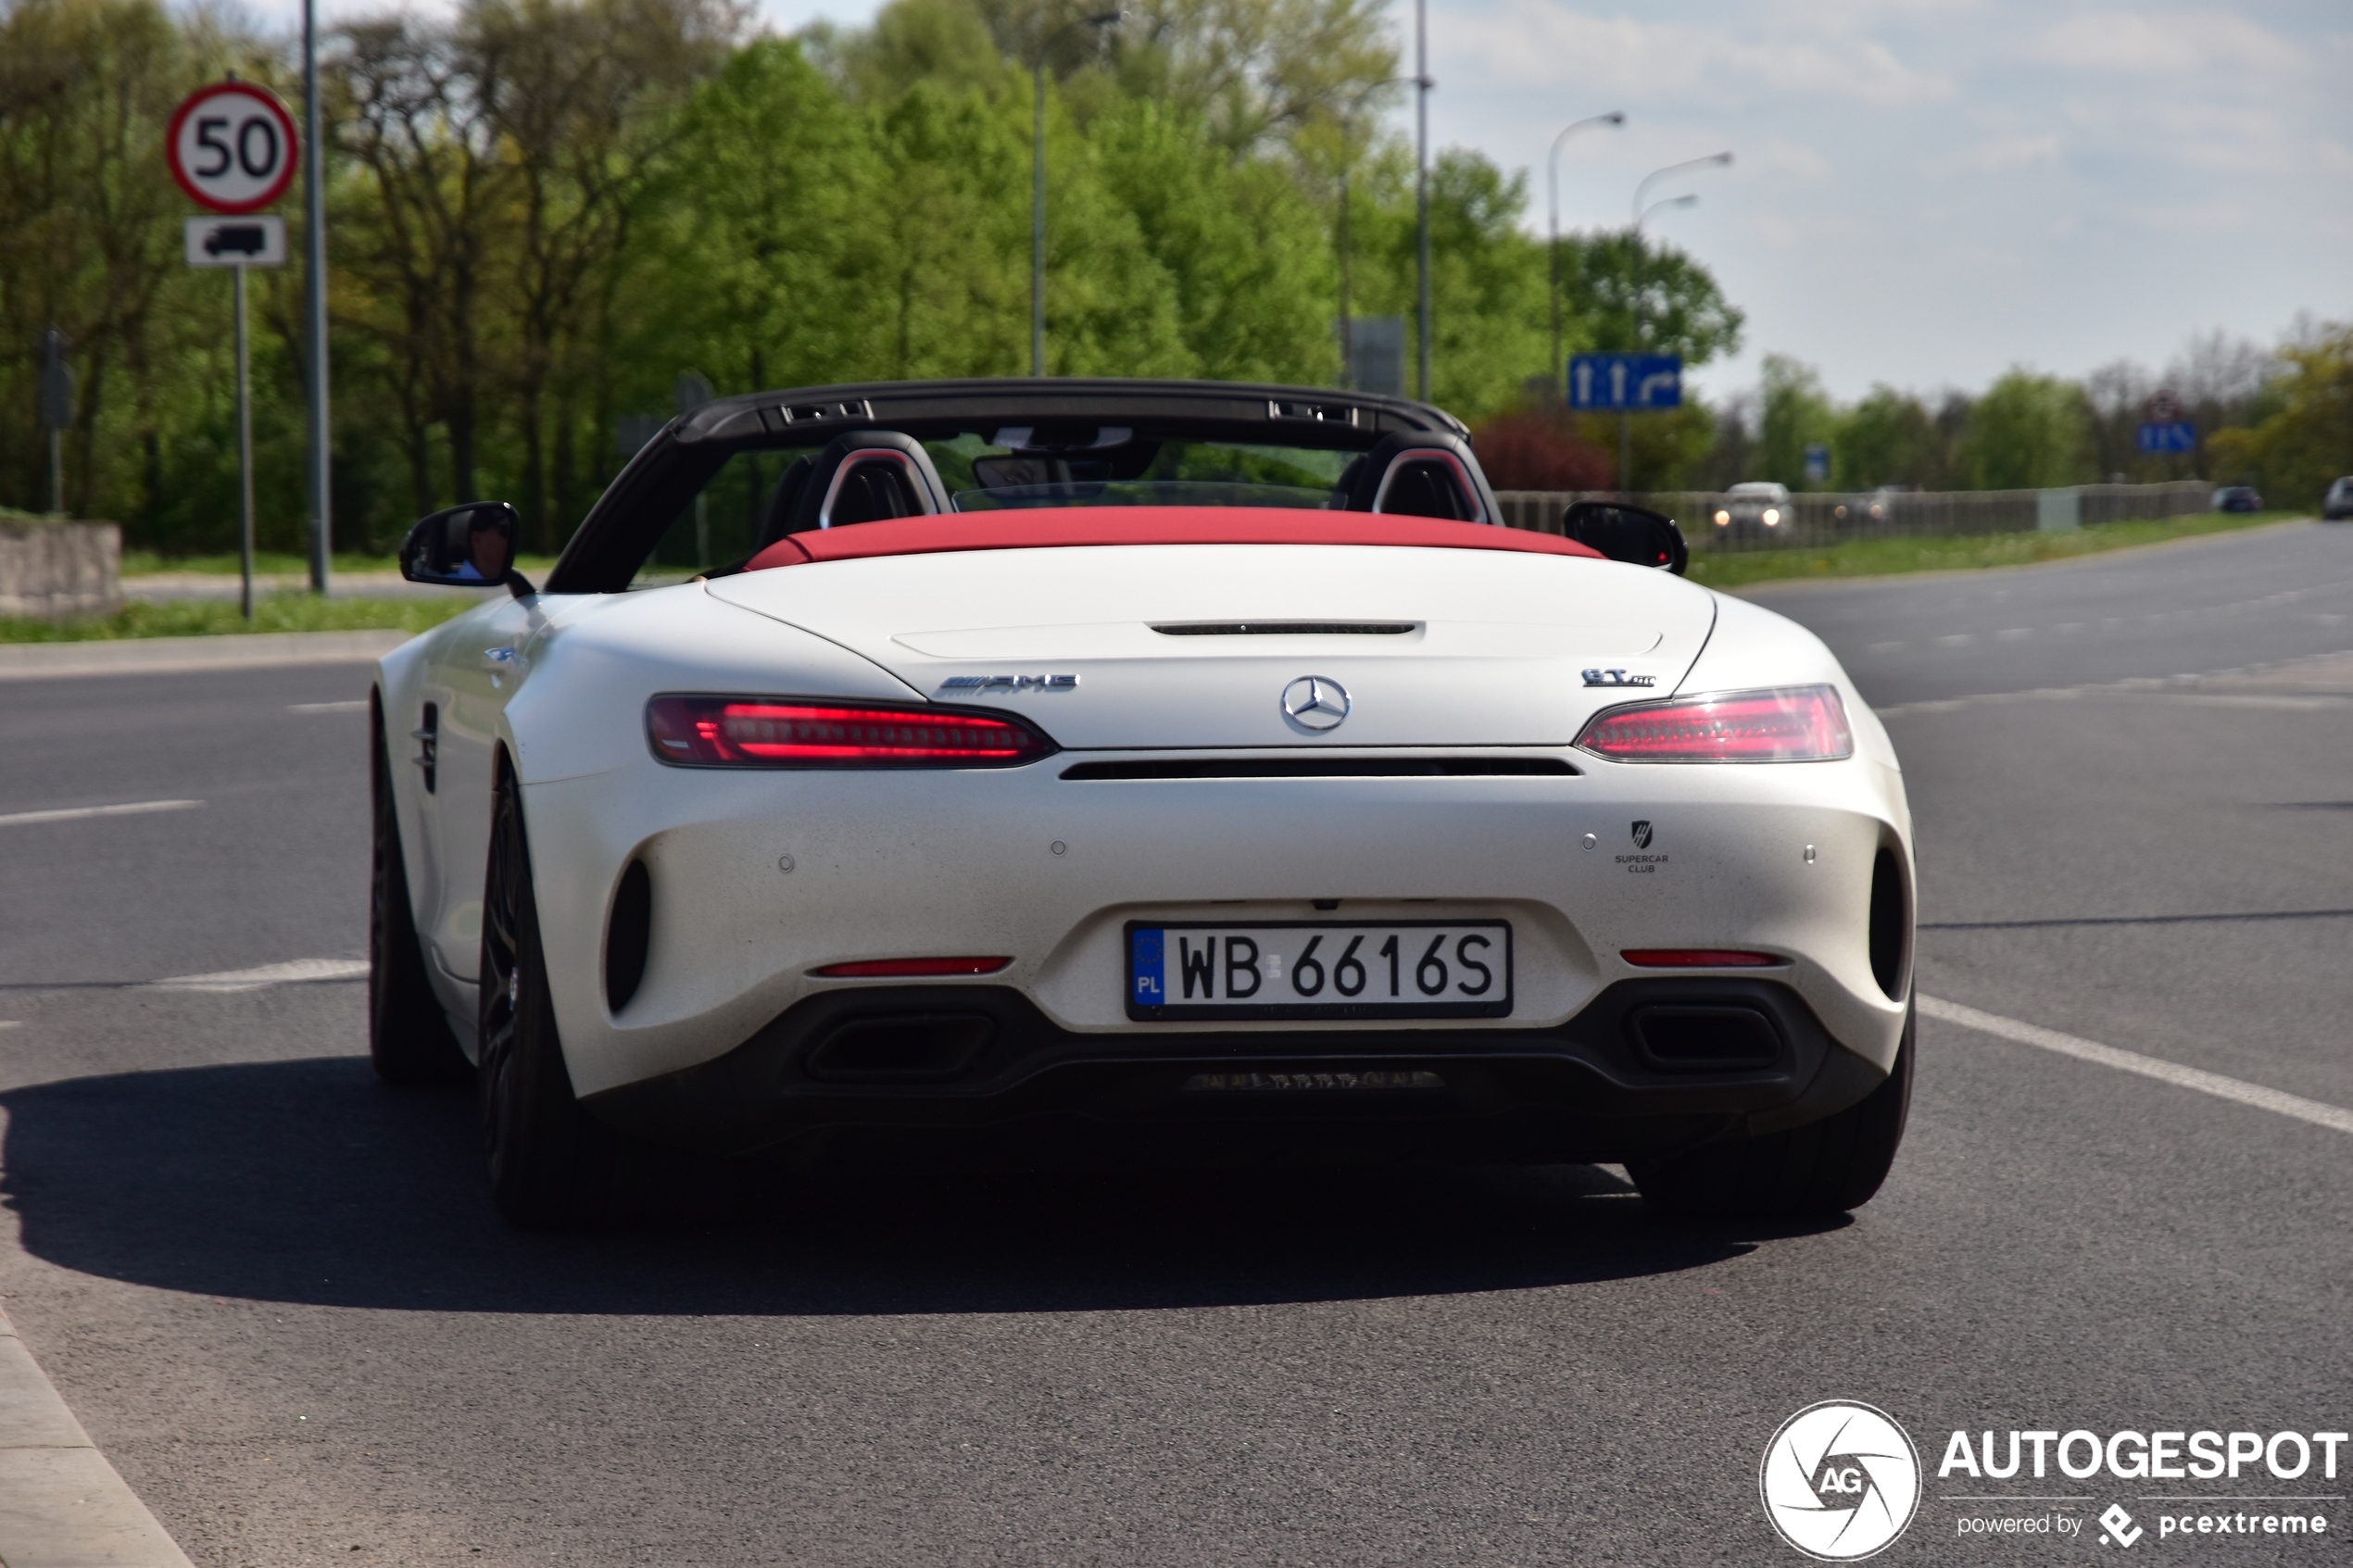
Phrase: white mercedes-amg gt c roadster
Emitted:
{"points": [[1118, 771]]}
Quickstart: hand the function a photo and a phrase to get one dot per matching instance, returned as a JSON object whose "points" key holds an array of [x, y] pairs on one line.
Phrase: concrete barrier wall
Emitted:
{"points": [[1818, 519], [58, 569]]}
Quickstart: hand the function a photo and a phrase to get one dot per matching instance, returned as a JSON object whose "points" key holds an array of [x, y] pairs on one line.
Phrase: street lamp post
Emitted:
{"points": [[1038, 185], [1422, 85], [1634, 260], [1347, 332], [314, 280], [1553, 187]]}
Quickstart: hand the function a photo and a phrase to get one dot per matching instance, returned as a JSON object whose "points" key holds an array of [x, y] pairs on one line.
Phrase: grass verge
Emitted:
{"points": [[206, 617], [277, 563], [1883, 558]]}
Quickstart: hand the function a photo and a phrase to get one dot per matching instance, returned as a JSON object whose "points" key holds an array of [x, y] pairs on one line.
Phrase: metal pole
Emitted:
{"points": [[244, 454], [1421, 187], [1037, 225], [56, 471], [1625, 451], [1347, 331], [1553, 189], [314, 189]]}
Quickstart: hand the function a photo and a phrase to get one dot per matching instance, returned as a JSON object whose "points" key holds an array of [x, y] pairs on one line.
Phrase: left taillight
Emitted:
{"points": [[689, 729], [1790, 724]]}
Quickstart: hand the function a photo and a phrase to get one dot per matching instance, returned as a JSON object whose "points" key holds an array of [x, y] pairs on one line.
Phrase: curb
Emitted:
{"points": [[61, 1504], [148, 656]]}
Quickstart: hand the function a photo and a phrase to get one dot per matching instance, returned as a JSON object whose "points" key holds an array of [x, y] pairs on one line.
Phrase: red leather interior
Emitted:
{"points": [[1069, 526]]}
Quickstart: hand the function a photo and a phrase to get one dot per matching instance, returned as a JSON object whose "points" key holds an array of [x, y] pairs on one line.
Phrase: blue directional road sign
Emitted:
{"points": [[2171, 436], [1612, 382]]}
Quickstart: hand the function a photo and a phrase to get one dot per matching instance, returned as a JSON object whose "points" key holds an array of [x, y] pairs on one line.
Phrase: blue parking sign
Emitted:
{"points": [[1610, 382], [2169, 435]]}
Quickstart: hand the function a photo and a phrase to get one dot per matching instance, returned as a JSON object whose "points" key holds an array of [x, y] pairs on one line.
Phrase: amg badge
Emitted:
{"points": [[1010, 683], [1617, 677]]}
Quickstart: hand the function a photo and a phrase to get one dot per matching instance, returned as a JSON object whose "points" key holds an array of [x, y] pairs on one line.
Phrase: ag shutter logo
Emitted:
{"points": [[1841, 1480]]}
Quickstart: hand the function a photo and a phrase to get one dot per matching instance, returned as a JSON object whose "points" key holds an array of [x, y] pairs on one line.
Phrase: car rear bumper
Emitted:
{"points": [[1648, 1065]]}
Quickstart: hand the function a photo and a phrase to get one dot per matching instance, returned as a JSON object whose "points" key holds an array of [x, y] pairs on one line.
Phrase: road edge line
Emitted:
{"points": [[2275, 1101], [155, 655], [61, 1502]]}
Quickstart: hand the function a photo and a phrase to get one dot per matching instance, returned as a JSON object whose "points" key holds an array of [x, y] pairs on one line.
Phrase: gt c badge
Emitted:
{"points": [[1315, 702], [1641, 835], [1617, 677], [1010, 683]]}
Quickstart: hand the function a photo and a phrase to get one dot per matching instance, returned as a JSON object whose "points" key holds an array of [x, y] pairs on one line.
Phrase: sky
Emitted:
{"points": [[1923, 193]]}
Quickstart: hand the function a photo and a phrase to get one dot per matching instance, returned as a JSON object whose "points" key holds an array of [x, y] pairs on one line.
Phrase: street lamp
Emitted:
{"points": [[1552, 186], [1644, 217], [1347, 333], [1713, 158], [1037, 182]]}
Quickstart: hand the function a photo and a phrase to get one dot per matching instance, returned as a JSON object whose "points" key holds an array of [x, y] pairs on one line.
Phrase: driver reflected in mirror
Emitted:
{"points": [[488, 550]]}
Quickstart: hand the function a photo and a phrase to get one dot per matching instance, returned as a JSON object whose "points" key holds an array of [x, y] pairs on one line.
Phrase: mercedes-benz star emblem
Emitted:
{"points": [[1315, 702]]}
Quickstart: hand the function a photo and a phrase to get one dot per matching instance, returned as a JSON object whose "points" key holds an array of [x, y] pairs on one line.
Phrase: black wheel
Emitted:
{"points": [[552, 1162], [1825, 1167], [408, 1037]]}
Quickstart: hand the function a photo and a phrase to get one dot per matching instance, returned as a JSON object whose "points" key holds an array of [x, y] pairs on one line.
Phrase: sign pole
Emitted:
{"points": [[244, 451], [1625, 451], [314, 245]]}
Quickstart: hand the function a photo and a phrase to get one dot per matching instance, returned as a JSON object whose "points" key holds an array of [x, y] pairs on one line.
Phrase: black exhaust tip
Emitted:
{"points": [[1705, 1039], [904, 1048]]}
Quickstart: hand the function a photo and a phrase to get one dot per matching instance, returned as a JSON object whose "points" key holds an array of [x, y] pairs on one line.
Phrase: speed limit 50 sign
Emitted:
{"points": [[233, 148]]}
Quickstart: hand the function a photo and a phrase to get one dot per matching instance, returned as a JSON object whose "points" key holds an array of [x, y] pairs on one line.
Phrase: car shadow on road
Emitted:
{"points": [[307, 1182]]}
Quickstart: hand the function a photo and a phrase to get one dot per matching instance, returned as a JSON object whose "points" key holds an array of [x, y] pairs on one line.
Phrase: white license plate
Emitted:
{"points": [[1320, 969]]}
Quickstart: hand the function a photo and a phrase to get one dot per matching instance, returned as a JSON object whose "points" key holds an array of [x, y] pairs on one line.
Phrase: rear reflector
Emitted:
{"points": [[1698, 958], [691, 731], [902, 969], [1791, 725]]}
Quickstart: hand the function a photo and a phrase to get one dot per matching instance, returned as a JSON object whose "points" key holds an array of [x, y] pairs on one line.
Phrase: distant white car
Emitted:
{"points": [[1130, 769], [1758, 503]]}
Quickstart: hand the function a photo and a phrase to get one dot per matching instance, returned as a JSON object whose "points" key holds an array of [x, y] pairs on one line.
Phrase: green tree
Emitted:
{"points": [[2294, 453], [1888, 438], [2030, 432], [1795, 414]]}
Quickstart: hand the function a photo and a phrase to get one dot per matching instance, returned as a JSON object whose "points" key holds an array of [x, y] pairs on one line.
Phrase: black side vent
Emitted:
{"points": [[427, 734], [1888, 924], [1705, 1039], [1323, 768], [791, 414], [627, 938], [1287, 629]]}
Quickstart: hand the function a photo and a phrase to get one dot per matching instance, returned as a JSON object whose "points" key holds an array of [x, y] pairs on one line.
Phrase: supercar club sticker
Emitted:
{"points": [[1841, 1480]]}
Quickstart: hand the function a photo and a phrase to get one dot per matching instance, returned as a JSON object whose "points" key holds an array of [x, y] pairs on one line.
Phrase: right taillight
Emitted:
{"points": [[1787, 724]]}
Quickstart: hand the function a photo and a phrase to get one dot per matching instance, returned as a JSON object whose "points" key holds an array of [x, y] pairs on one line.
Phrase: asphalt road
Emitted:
{"points": [[276, 1296]]}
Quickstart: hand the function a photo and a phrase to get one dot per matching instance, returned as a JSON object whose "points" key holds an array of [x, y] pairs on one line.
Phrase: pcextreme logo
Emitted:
{"points": [[1841, 1480]]}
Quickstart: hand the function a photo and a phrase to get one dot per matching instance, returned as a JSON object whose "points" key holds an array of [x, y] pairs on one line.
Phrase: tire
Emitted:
{"points": [[1826, 1167], [408, 1040], [551, 1163]]}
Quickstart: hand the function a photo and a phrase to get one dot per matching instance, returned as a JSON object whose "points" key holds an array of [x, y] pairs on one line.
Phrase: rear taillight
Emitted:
{"points": [[1793, 725], [775, 731]]}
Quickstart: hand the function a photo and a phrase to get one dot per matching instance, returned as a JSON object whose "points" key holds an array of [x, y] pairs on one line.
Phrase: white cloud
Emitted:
{"points": [[2146, 44], [1545, 41], [2008, 152]]}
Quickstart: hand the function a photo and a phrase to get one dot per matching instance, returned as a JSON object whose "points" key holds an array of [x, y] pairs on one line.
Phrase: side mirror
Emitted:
{"points": [[468, 546], [1633, 534]]}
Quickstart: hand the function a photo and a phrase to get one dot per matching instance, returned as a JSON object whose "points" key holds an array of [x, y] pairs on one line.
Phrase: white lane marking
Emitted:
{"points": [[354, 706], [76, 813], [298, 972], [11, 1024], [2173, 1073]]}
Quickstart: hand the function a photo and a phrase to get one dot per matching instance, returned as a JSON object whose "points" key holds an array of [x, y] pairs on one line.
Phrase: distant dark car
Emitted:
{"points": [[2337, 504], [245, 239], [2238, 498]]}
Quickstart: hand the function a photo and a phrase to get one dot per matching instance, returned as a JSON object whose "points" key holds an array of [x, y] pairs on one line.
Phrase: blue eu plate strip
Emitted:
{"points": [[1144, 958]]}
